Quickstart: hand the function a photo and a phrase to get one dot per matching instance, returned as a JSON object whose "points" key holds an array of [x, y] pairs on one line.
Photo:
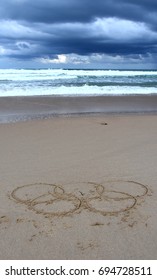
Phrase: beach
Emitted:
{"points": [[78, 178], [18, 108]]}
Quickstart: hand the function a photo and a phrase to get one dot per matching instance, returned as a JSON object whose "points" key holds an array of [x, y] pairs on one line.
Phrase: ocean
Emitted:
{"points": [[62, 82]]}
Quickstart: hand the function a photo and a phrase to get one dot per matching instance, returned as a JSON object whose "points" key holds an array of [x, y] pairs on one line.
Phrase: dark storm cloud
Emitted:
{"points": [[33, 29], [74, 10]]}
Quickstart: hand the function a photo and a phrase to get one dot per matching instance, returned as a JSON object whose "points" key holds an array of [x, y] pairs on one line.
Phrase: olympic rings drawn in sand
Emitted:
{"points": [[40, 196]]}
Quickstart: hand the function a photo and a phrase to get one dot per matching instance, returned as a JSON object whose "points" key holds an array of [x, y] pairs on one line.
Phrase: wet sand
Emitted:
{"points": [[82, 187], [38, 107]]}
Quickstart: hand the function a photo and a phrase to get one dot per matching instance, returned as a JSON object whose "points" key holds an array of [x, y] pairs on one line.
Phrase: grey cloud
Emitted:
{"points": [[34, 29], [74, 10]]}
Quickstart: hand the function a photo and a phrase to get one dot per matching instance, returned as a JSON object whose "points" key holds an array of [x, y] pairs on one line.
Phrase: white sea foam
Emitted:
{"points": [[24, 82], [24, 74], [78, 91], [30, 75], [109, 73]]}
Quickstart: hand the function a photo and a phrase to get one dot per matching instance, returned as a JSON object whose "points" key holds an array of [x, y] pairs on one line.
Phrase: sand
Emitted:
{"points": [[35, 107], [79, 187]]}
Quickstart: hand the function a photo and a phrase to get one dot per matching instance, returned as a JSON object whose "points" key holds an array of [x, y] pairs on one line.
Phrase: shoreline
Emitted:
{"points": [[14, 109]]}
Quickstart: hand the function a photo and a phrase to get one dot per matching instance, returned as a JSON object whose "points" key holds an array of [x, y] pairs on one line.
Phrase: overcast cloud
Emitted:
{"points": [[84, 33]]}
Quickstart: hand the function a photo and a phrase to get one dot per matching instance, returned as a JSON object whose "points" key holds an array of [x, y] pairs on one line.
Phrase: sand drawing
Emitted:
{"points": [[109, 198]]}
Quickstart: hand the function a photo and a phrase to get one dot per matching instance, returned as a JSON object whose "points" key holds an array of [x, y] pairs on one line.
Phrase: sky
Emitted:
{"points": [[108, 34]]}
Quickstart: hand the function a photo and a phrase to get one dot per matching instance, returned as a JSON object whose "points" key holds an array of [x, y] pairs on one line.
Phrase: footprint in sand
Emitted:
{"points": [[4, 219]]}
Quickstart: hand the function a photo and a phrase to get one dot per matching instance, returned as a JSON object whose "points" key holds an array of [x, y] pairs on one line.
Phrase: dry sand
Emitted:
{"points": [[79, 188]]}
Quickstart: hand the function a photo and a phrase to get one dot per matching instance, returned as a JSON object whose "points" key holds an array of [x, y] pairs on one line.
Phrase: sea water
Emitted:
{"points": [[64, 82]]}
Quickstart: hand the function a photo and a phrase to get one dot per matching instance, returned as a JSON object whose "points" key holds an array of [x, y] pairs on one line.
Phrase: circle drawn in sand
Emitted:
{"points": [[136, 189], [56, 207], [109, 198], [57, 203], [27, 193], [112, 205]]}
